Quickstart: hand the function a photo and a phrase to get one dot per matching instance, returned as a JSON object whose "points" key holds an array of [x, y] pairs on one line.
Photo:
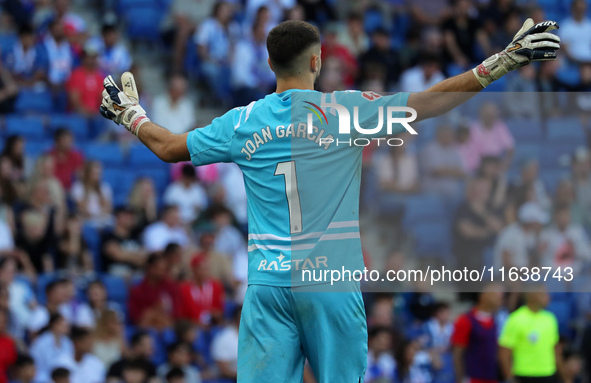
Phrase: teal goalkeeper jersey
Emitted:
{"points": [[302, 178]]}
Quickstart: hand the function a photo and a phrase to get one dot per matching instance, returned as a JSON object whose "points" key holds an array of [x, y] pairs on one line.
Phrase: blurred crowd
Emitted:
{"points": [[118, 267]]}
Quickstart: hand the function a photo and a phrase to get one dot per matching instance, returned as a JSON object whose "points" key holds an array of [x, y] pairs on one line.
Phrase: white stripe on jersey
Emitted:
{"points": [[336, 225], [308, 246]]}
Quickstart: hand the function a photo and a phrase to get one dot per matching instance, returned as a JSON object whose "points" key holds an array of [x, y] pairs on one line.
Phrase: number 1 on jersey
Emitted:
{"points": [[288, 171]]}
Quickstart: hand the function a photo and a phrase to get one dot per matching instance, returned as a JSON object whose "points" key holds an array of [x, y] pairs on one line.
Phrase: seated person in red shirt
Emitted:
{"points": [[7, 347], [202, 297], [68, 162], [154, 302], [85, 86], [474, 339]]}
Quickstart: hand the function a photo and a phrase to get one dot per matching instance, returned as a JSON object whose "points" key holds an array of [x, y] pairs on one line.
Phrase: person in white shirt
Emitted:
{"points": [[50, 346], [56, 295], [175, 110], [76, 312], [187, 194], [519, 245], [224, 348], [168, 230], [380, 361], [93, 197], [114, 57], [422, 76], [84, 367], [6, 239], [59, 53], [575, 33], [566, 243]]}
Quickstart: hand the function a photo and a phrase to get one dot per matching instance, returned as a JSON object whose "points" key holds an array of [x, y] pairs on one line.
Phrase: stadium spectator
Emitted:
{"points": [[8, 90], [442, 166], [11, 187], [55, 295], [72, 253], [333, 50], [85, 85], [277, 10], [566, 244], [380, 361], [353, 35], [60, 375], [234, 193], [519, 245], [251, 76], [491, 170], [35, 241], [575, 33], [23, 370], [474, 339], [168, 230], [142, 200], [187, 194], [380, 62], [45, 171], [514, 102], [564, 196], [412, 363], [50, 346], [423, 76], [109, 340], [96, 295], [76, 312], [68, 162], [439, 329], [228, 239], [179, 357], [122, 253], [529, 348], [224, 348], [202, 297], [14, 151], [462, 32], [93, 197], [174, 110], [581, 178], [398, 170], [490, 136], [26, 59], [59, 54], [136, 360], [215, 40], [177, 266], [8, 346], [154, 302], [83, 366], [219, 265], [114, 57], [529, 186], [176, 375], [475, 225], [21, 298]]}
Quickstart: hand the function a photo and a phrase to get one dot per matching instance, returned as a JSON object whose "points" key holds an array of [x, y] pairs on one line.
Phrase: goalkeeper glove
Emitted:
{"points": [[531, 43], [123, 106]]}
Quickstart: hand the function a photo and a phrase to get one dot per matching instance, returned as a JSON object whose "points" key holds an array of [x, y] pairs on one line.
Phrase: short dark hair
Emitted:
{"points": [[26, 30], [60, 373], [175, 373], [61, 132], [188, 171], [138, 337], [77, 333], [176, 346], [287, 41], [23, 360], [53, 284]]}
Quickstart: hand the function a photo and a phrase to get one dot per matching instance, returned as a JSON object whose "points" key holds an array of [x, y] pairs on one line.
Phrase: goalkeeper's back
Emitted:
{"points": [[302, 189]]}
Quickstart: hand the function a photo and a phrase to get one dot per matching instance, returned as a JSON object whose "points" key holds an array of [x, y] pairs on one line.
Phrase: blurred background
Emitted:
{"points": [[114, 264]]}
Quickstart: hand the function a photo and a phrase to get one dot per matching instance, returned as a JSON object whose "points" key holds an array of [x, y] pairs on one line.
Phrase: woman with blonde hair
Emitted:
{"points": [[142, 200], [109, 341], [94, 198], [44, 171]]}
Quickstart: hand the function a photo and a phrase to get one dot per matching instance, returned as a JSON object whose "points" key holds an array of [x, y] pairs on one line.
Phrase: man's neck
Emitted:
{"points": [[121, 231], [533, 307], [293, 83]]}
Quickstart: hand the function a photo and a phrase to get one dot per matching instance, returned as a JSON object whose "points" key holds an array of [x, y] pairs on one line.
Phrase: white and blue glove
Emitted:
{"points": [[531, 43], [123, 107]]}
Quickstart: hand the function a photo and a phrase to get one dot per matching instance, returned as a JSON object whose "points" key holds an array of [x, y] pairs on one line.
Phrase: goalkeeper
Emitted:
{"points": [[303, 209]]}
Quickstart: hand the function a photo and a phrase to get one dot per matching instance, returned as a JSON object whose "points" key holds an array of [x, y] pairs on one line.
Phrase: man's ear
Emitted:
{"points": [[315, 64]]}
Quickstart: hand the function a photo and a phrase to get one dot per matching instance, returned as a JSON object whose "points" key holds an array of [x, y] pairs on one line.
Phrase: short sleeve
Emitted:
{"points": [[370, 106], [461, 333], [212, 143], [508, 336]]}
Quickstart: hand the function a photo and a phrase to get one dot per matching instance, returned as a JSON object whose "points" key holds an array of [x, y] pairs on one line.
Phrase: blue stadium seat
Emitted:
{"points": [[552, 178], [554, 155], [525, 130], [373, 19], [432, 239], [30, 127], [140, 156], [34, 101], [423, 208], [525, 152], [7, 41], [108, 154], [114, 177], [565, 130], [160, 177], [35, 148], [76, 124], [93, 239], [117, 290], [563, 310], [143, 22]]}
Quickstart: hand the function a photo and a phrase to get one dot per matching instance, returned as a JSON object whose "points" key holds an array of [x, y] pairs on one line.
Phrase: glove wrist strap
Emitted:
{"points": [[135, 125]]}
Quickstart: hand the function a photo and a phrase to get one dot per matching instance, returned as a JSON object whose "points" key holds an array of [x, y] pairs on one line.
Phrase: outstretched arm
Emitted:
{"points": [[531, 43], [169, 147]]}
